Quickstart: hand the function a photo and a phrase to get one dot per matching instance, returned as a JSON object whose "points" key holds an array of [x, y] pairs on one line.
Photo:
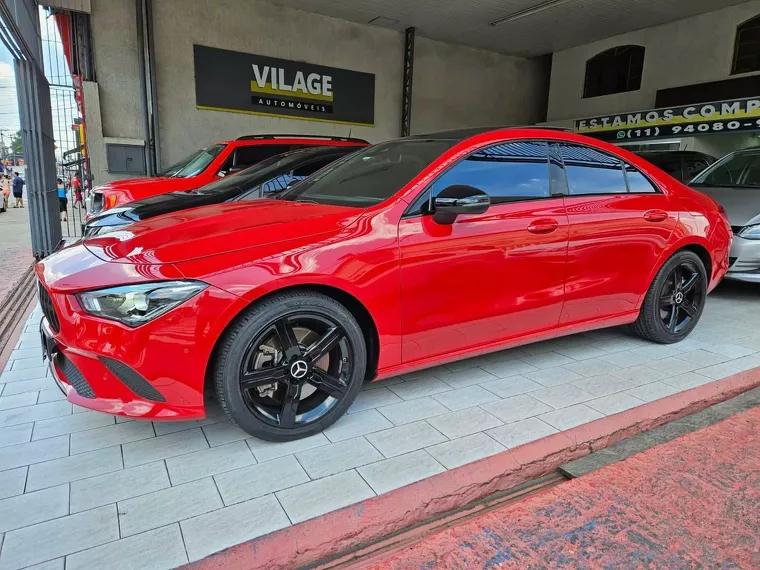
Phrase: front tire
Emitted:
{"points": [[675, 300], [290, 366]]}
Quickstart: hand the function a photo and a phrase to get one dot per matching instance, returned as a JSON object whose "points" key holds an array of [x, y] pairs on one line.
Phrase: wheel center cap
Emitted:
{"points": [[299, 369], [678, 298]]}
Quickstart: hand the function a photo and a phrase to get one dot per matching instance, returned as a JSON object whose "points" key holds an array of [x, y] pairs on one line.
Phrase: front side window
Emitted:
{"points": [[371, 175], [195, 163], [592, 172], [739, 169], [615, 70], [507, 172]]}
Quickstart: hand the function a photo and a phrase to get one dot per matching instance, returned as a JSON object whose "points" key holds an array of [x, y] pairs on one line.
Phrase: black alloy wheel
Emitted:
{"points": [[675, 300], [290, 366]]}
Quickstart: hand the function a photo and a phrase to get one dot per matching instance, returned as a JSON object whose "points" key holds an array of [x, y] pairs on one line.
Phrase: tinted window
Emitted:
{"points": [[737, 169], [669, 164], [615, 70], [506, 172], [592, 172], [309, 169], [248, 155], [371, 175], [195, 163], [693, 166], [637, 182]]}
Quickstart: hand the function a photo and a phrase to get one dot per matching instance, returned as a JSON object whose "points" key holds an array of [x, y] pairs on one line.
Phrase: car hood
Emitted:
{"points": [[171, 183], [742, 205], [217, 229]]}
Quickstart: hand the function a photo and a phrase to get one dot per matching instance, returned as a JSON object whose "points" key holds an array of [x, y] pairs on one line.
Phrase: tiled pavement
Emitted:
{"points": [[97, 492]]}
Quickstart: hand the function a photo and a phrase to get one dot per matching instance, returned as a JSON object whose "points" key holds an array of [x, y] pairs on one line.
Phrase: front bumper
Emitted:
{"points": [[744, 260]]}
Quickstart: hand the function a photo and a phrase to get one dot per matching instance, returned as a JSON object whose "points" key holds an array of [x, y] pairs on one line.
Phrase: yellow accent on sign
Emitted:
{"points": [[268, 90], [207, 108]]}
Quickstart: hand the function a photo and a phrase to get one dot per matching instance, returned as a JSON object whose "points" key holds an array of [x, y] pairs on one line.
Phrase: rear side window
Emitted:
{"points": [[637, 182], [507, 172], [592, 172]]}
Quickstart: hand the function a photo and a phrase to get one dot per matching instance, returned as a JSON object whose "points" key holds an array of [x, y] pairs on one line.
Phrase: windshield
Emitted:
{"points": [[738, 170], [195, 163], [369, 176]]}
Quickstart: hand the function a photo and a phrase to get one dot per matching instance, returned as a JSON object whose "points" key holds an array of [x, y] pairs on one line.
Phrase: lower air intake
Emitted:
{"points": [[74, 376], [132, 380]]}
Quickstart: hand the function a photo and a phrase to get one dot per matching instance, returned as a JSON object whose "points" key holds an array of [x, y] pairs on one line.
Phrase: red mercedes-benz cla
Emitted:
{"points": [[404, 255]]}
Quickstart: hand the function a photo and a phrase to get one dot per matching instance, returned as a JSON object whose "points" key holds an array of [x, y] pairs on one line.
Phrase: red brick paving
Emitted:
{"points": [[693, 503]]}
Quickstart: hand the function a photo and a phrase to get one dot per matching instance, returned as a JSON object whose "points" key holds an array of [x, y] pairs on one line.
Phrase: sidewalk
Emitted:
{"points": [[690, 503], [15, 248]]}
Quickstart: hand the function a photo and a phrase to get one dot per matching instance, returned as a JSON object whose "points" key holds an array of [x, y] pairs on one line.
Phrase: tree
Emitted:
{"points": [[17, 145]]}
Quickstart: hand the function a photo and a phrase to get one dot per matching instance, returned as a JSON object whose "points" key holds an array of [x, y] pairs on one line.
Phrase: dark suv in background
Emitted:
{"points": [[683, 165]]}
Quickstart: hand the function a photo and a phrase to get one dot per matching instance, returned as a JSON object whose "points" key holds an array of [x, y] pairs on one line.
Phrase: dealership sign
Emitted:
{"points": [[705, 118], [247, 83]]}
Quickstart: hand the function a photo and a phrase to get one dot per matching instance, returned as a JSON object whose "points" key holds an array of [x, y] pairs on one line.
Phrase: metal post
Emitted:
{"points": [[155, 138], [143, 86], [406, 98]]}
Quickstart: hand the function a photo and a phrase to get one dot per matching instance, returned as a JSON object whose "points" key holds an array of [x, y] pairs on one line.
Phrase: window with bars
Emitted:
{"points": [[747, 47], [615, 70]]}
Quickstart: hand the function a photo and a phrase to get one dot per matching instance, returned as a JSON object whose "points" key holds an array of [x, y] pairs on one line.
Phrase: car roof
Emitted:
{"points": [[317, 139]]}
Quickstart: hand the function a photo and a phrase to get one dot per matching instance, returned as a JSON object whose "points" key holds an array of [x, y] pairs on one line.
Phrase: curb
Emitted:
{"points": [[358, 525]]}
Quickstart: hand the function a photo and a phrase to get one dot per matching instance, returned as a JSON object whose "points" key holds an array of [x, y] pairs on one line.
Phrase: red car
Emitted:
{"points": [[401, 256], [207, 165]]}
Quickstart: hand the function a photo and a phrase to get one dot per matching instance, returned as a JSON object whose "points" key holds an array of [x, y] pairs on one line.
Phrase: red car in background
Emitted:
{"points": [[206, 165], [401, 256]]}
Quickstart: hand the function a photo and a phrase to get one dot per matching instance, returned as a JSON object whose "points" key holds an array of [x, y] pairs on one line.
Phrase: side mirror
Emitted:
{"points": [[459, 199]]}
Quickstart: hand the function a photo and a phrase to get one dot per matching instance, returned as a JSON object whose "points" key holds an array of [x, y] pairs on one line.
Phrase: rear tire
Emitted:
{"points": [[290, 366], [675, 300]]}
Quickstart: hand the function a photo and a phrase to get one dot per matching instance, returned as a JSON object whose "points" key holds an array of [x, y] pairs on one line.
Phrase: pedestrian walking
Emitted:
{"points": [[18, 190], [63, 201], [76, 184]]}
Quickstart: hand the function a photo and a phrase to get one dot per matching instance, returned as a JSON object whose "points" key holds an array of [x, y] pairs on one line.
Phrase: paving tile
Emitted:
{"points": [[746, 362], [354, 425], [413, 389], [522, 432], [516, 408], [18, 400], [690, 344], [266, 450], [55, 538], [67, 469], [412, 411], [570, 341], [406, 438], [466, 397], [562, 396], [567, 418], [369, 399], [549, 377], [614, 403], [719, 371], [591, 367], [12, 435], [673, 366], [625, 358], [513, 386], [33, 452], [224, 432], [11, 376], [464, 422], [382, 383], [160, 508], [165, 428], [2, 386], [206, 462], [657, 351], [57, 564], [653, 391], [337, 457], [639, 375], [539, 347], [32, 508], [466, 378], [703, 357], [581, 351], [400, 471], [620, 344], [12, 482], [258, 480], [508, 368], [49, 395], [157, 549], [35, 353], [547, 360], [149, 450], [422, 374], [603, 385], [319, 497], [118, 486], [469, 363], [110, 435], [465, 450], [26, 363], [34, 413], [70, 424], [687, 381], [217, 530]]}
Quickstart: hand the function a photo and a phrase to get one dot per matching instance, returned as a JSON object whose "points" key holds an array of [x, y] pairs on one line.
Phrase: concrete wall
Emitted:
{"points": [[453, 86], [693, 50]]}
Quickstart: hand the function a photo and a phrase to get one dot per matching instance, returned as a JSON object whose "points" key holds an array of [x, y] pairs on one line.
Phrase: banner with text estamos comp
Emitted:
{"points": [[248, 83]]}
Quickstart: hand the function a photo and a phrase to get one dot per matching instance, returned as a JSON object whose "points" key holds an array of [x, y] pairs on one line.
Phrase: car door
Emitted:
{"points": [[485, 277], [620, 224]]}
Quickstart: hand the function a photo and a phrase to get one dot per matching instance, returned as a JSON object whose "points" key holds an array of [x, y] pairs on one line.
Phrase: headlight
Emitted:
{"points": [[135, 305], [750, 232]]}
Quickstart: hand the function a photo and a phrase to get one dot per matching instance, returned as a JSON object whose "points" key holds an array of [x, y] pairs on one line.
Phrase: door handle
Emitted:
{"points": [[655, 215], [543, 226]]}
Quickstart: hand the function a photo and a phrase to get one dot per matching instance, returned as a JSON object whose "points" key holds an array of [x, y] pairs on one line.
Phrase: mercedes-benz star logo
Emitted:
{"points": [[298, 369], [679, 298]]}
